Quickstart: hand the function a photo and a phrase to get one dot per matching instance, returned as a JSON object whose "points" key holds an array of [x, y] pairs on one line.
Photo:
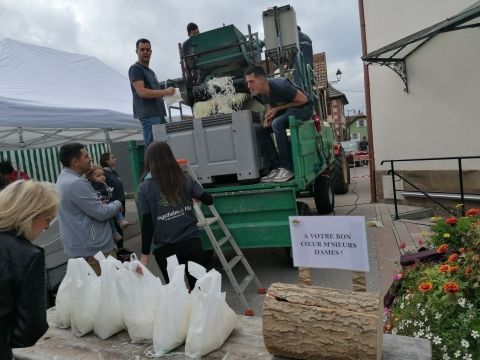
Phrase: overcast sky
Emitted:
{"points": [[108, 29]]}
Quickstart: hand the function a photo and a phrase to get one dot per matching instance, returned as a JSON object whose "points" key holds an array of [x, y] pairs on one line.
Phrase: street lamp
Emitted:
{"points": [[338, 74]]}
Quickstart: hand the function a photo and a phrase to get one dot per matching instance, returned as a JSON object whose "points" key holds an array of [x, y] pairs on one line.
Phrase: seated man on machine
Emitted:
{"points": [[283, 99]]}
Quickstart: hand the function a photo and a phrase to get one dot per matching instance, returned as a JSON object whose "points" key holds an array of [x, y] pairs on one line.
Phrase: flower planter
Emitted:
{"points": [[423, 255]]}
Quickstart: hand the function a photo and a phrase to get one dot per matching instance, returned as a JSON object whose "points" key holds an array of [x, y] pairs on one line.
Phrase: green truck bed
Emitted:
{"points": [[257, 214]]}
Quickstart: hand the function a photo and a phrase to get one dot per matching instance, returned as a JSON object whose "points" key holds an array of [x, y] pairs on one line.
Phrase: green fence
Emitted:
{"points": [[43, 164]]}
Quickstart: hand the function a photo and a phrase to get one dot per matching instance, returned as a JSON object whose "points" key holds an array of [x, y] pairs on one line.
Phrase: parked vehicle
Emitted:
{"points": [[353, 152]]}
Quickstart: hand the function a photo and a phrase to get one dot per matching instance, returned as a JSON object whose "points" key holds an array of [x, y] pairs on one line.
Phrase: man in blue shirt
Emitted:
{"points": [[148, 105], [283, 99]]}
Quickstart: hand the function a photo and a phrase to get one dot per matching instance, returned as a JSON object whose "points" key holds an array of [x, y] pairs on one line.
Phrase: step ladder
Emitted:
{"points": [[217, 244]]}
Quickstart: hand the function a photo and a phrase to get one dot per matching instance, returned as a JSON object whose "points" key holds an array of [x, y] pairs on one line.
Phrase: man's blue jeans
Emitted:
{"points": [[147, 123], [279, 128]]}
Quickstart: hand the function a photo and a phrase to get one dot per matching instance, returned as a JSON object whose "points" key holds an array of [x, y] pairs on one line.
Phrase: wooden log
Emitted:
{"points": [[311, 322], [304, 276]]}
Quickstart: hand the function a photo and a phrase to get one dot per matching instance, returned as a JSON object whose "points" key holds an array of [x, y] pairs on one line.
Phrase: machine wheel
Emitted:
{"points": [[340, 175], [303, 209], [323, 195]]}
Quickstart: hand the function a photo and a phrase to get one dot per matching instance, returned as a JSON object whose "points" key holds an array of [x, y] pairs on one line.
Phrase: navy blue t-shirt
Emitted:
{"points": [[171, 224], [282, 91], [145, 107]]}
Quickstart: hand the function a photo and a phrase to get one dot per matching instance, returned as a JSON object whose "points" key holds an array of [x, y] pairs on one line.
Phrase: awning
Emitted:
{"points": [[395, 54]]}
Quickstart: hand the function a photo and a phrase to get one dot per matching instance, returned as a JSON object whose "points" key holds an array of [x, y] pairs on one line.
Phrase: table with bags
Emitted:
{"points": [[245, 341], [127, 313]]}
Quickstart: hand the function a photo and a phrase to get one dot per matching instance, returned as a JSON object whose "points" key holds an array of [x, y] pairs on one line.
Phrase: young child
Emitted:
{"points": [[96, 177]]}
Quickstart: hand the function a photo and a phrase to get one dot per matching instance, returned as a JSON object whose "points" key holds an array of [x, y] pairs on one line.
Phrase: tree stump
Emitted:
{"points": [[311, 322]]}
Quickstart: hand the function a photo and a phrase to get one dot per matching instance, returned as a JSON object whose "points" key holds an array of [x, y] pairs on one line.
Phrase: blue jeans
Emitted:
{"points": [[147, 123], [279, 128]]}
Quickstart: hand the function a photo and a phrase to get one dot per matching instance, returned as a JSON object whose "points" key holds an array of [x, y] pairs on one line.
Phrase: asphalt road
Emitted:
{"points": [[272, 264]]}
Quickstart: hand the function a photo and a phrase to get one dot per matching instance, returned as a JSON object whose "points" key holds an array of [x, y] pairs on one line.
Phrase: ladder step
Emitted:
{"points": [[234, 261], [224, 240], [208, 221], [247, 280]]}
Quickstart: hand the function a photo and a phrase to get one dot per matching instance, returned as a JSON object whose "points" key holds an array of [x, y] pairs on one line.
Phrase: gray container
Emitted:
{"points": [[287, 29], [217, 145]]}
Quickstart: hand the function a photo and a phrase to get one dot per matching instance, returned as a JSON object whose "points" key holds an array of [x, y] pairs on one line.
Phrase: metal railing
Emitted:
{"points": [[460, 178]]}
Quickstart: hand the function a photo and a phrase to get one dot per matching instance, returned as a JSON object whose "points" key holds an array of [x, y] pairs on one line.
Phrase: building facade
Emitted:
{"points": [[424, 104]]}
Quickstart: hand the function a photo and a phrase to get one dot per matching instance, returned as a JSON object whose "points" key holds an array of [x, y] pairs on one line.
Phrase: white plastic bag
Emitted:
{"points": [[175, 98], [173, 310], [109, 318], [139, 295], [63, 301], [212, 320], [85, 297]]}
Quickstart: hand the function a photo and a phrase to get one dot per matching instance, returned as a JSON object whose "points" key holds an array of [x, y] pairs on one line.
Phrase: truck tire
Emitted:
{"points": [[323, 195], [340, 175]]}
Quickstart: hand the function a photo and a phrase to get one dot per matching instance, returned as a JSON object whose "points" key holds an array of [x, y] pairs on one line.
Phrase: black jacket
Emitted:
{"points": [[23, 306], [113, 180]]}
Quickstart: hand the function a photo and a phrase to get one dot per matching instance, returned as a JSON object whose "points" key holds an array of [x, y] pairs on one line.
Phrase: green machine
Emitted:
{"points": [[257, 213], [213, 54]]}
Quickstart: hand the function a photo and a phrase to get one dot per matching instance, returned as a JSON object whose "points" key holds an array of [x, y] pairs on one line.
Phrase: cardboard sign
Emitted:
{"points": [[334, 242]]}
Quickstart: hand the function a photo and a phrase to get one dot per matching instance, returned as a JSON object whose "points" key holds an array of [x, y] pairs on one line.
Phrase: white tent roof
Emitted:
{"points": [[49, 97]]}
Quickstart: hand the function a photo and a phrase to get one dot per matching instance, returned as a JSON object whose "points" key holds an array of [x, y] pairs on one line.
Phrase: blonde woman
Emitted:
{"points": [[26, 209]]}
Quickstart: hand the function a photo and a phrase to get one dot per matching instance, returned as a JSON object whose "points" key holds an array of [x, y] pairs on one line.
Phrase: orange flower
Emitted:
{"points": [[443, 268], [452, 221], [387, 328], [462, 250], [424, 287], [442, 248], [453, 257], [452, 269], [473, 212], [451, 287], [468, 271]]}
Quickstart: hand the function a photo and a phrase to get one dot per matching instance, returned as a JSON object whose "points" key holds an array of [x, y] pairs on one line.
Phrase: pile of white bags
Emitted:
{"points": [[139, 294], [85, 293], [173, 311], [63, 301], [109, 317], [212, 319], [128, 295]]}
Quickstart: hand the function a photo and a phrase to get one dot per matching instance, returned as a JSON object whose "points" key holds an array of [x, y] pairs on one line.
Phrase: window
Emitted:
{"points": [[361, 123], [354, 136]]}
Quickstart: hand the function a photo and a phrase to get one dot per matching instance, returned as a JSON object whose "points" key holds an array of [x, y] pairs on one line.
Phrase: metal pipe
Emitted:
{"points": [[394, 190], [460, 178], [368, 107]]}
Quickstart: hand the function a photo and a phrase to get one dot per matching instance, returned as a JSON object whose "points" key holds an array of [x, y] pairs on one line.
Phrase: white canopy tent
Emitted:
{"points": [[50, 97]]}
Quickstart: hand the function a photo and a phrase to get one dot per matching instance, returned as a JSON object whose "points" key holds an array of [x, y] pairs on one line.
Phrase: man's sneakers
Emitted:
{"points": [[270, 176], [278, 176], [283, 176]]}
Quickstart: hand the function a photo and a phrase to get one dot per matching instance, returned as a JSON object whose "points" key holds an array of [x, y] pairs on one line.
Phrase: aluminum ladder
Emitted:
{"points": [[217, 244]]}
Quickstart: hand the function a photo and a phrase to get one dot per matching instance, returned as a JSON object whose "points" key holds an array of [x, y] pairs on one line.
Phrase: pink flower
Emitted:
{"points": [[398, 277], [403, 245]]}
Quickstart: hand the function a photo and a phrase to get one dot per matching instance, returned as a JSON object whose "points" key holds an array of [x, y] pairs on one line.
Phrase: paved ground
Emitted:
{"points": [[272, 265]]}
